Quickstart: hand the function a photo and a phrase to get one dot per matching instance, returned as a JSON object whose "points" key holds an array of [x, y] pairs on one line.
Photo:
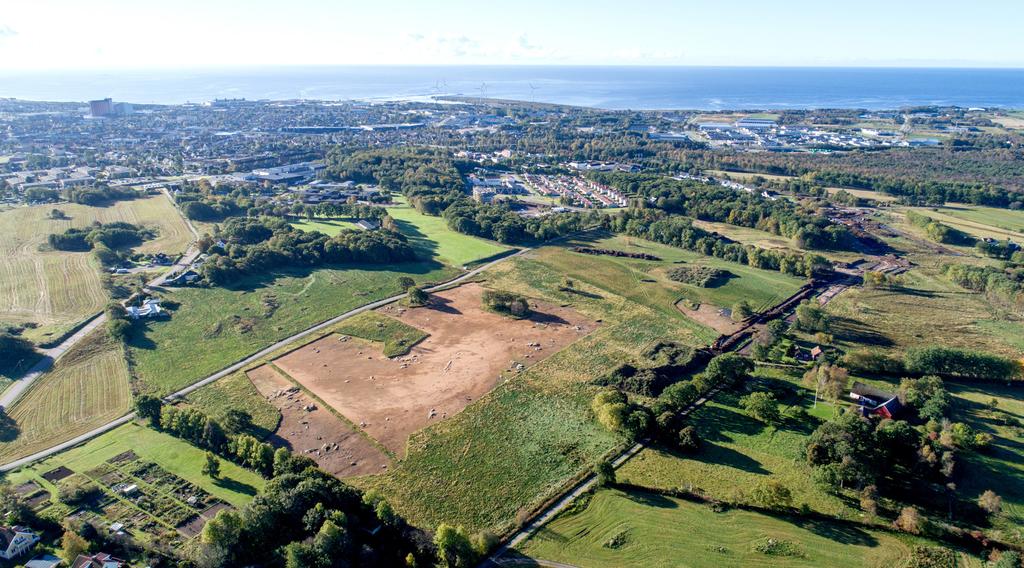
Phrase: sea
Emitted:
{"points": [[619, 88]]}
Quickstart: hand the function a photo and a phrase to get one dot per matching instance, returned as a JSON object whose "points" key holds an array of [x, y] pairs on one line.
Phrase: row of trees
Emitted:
{"points": [[713, 202], [100, 195], [616, 412], [680, 232], [961, 363]]}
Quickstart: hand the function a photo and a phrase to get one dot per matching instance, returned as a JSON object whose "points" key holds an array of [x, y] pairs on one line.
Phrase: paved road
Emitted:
{"points": [[243, 363], [18, 387]]}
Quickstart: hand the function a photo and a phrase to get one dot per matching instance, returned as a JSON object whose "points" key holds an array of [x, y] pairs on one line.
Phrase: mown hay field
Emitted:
{"points": [[86, 388], [634, 528], [56, 290]]}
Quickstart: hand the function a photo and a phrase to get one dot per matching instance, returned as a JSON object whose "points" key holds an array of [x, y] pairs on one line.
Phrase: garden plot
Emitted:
{"points": [[467, 352]]}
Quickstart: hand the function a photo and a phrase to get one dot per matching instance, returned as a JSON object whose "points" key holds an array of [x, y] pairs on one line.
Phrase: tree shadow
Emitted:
{"points": [[852, 331], [583, 293], [837, 531], [443, 305], [716, 421], [417, 238], [913, 291], [235, 485], [9, 429], [649, 499], [721, 455], [546, 318]]}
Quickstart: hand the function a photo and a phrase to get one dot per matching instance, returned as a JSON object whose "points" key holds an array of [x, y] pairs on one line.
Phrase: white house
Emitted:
{"points": [[15, 541], [149, 309]]}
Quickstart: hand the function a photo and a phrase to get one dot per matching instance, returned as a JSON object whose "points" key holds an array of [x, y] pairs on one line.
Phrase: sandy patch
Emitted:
{"points": [[465, 356], [710, 316], [318, 433]]}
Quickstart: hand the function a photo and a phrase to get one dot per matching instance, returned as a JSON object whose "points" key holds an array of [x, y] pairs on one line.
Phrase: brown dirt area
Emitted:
{"points": [[710, 316], [462, 360], [318, 434]]}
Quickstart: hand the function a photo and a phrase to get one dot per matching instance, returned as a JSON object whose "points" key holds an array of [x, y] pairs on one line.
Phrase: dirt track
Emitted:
{"points": [[468, 350]]}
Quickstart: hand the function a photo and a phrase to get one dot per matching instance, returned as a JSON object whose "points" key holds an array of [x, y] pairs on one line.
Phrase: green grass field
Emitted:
{"points": [[766, 240], [56, 289], [214, 327], [329, 227], [1001, 466], [739, 452], [237, 485], [979, 221], [398, 338], [433, 239], [86, 388], [650, 531], [645, 282], [926, 309]]}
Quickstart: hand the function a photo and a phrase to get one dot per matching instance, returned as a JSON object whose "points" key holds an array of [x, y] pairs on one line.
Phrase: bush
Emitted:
{"points": [[689, 440], [700, 276], [507, 303], [605, 473]]}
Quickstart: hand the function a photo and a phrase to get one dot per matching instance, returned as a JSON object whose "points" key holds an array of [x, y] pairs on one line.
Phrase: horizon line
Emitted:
{"points": [[238, 66]]}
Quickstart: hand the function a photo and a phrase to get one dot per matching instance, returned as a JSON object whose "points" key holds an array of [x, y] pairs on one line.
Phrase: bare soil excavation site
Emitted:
{"points": [[315, 432], [465, 356]]}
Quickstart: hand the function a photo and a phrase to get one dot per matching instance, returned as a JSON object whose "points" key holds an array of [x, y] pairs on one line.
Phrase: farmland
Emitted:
{"points": [[86, 388], [55, 290], [634, 528], [646, 283], [213, 327], [433, 239], [979, 221]]}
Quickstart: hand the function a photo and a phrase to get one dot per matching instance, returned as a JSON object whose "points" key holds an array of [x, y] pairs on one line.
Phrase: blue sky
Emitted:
{"points": [[64, 34]]}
